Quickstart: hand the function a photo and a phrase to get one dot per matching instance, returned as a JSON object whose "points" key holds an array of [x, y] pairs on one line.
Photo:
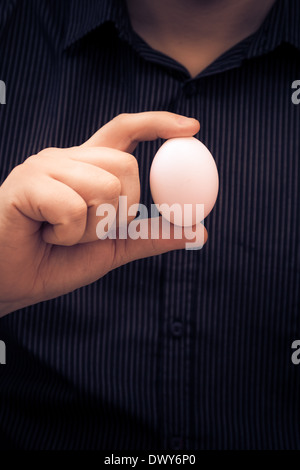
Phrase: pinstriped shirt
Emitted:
{"points": [[191, 349]]}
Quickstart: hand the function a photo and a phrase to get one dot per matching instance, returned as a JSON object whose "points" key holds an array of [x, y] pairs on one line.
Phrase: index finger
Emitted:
{"points": [[125, 131]]}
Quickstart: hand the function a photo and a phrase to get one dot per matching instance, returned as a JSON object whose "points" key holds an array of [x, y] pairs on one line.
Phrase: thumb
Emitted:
{"points": [[156, 236]]}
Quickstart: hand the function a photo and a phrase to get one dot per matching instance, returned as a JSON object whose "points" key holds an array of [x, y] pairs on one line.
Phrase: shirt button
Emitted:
{"points": [[176, 443], [177, 329]]}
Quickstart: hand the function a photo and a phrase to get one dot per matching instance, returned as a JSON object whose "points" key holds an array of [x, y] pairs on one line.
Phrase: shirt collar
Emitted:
{"points": [[83, 17], [281, 24]]}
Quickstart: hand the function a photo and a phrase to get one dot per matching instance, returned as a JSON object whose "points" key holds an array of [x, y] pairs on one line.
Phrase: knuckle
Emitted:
{"points": [[121, 118], [112, 187], [13, 186], [32, 160], [76, 212], [130, 164], [47, 152], [36, 159], [17, 171]]}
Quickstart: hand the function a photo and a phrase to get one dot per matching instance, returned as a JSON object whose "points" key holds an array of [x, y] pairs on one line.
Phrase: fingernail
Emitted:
{"points": [[186, 121]]}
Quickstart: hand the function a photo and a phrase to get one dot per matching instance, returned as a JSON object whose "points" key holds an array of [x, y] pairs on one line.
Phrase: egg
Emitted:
{"points": [[184, 176]]}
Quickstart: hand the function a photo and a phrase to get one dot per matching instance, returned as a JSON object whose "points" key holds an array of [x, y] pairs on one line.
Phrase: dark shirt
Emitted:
{"points": [[191, 349]]}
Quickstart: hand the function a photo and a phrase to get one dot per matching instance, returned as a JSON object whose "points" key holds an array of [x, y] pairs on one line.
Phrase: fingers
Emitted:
{"points": [[67, 202], [96, 187], [99, 175], [66, 214], [126, 130], [63, 210], [83, 173], [120, 164]]}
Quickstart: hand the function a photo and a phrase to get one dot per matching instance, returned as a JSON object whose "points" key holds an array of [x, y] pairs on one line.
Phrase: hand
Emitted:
{"points": [[48, 241]]}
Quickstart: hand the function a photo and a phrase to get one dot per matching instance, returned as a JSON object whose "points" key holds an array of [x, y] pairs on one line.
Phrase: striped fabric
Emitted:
{"points": [[191, 349]]}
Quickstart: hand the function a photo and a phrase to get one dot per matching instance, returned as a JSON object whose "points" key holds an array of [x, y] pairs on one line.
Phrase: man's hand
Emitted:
{"points": [[48, 241]]}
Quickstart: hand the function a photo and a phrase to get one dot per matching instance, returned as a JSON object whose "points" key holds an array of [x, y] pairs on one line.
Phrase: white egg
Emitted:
{"points": [[184, 172]]}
